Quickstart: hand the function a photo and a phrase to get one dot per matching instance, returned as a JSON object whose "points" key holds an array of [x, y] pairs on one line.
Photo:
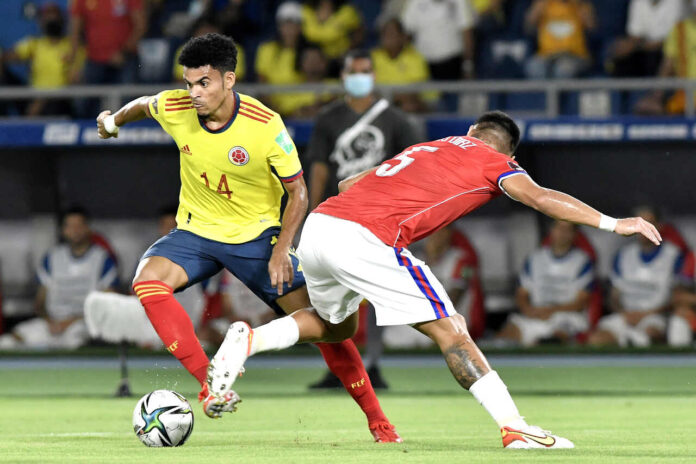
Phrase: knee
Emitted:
{"points": [[144, 275], [340, 332]]}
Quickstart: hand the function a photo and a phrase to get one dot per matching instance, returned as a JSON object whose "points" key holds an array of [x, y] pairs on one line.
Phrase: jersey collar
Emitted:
{"points": [[237, 102]]}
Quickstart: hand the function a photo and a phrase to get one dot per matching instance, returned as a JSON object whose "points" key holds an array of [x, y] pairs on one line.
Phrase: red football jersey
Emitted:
{"points": [[424, 188]]}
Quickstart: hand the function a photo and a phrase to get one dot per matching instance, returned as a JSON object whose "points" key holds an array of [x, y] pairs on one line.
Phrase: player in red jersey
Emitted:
{"points": [[354, 245]]}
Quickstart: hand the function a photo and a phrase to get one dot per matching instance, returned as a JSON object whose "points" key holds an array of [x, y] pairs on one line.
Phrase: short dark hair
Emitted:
{"points": [[74, 209], [216, 50], [499, 121], [355, 55]]}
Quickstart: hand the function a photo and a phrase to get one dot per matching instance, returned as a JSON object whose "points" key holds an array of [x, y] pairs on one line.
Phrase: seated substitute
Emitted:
{"points": [[67, 273], [555, 287], [682, 321], [642, 279]]}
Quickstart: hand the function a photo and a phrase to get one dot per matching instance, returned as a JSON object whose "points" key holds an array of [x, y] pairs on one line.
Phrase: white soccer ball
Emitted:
{"points": [[163, 418]]}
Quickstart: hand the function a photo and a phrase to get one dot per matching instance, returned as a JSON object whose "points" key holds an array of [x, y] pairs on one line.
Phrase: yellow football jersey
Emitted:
{"points": [[230, 178]]}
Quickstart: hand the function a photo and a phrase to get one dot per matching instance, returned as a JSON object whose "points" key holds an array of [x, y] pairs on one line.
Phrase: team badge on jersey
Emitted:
{"points": [[238, 156]]}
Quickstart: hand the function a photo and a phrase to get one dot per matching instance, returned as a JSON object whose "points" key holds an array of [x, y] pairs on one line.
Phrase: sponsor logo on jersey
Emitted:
{"points": [[185, 149], [284, 141], [238, 156]]}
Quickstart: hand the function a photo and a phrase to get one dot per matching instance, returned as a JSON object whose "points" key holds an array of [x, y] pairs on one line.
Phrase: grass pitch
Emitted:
{"points": [[613, 414]]}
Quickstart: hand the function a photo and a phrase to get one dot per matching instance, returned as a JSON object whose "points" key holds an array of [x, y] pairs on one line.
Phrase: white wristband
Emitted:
{"points": [[607, 223], [110, 125]]}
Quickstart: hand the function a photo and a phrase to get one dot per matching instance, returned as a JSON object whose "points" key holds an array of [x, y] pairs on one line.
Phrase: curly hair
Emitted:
{"points": [[216, 50]]}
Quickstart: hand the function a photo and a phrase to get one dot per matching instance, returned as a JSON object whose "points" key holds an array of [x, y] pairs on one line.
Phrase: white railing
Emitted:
{"points": [[113, 95]]}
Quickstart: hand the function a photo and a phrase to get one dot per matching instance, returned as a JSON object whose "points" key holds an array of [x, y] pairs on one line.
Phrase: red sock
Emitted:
{"points": [[345, 362], [173, 326]]}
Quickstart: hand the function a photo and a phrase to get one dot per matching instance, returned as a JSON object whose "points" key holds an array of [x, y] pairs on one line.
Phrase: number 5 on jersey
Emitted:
{"points": [[386, 169], [222, 188]]}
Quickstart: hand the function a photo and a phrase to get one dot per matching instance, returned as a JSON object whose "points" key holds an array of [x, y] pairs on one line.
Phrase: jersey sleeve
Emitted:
{"points": [[43, 271], [526, 275], [25, 48], [109, 274], [585, 277], [500, 168], [166, 105], [282, 154]]}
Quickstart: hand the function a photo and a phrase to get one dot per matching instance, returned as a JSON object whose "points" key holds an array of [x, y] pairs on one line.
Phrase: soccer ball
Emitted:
{"points": [[163, 418]]}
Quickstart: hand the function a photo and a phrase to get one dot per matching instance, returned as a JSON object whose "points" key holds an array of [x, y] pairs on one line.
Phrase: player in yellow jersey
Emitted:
{"points": [[237, 161]]}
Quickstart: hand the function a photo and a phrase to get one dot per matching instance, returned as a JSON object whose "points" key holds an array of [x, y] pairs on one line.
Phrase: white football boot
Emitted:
{"points": [[532, 437], [228, 362], [214, 405]]}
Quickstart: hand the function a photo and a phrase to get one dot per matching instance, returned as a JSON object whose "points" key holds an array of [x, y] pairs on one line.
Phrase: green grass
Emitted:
{"points": [[614, 415]]}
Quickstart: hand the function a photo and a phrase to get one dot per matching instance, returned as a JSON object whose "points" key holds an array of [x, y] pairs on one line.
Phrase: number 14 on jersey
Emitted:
{"points": [[222, 188]]}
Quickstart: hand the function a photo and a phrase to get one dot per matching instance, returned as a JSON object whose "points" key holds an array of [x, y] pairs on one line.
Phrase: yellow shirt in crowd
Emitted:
{"points": [[49, 68], [333, 35], [561, 29], [680, 47]]}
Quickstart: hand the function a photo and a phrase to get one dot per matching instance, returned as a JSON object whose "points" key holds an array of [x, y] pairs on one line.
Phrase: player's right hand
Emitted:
{"points": [[101, 130], [636, 225]]}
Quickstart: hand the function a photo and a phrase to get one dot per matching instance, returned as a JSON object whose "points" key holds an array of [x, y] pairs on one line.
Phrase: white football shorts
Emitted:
{"points": [[343, 262]]}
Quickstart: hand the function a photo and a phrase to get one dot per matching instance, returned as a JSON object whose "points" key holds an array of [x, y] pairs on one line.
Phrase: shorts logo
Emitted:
{"points": [[238, 156]]}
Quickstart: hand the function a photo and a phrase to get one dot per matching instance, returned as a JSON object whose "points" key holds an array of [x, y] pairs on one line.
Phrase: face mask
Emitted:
{"points": [[359, 85], [54, 28]]}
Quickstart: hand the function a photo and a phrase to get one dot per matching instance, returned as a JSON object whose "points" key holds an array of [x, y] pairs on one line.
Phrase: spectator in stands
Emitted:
{"points": [[276, 60], [118, 318], [234, 15], [111, 30], [490, 14], [354, 133], [642, 278], [560, 27], [443, 31], [68, 272], [640, 52], [51, 61], [313, 68], [396, 61], [350, 135], [554, 291], [682, 321], [454, 261], [200, 28], [678, 60], [334, 24]]}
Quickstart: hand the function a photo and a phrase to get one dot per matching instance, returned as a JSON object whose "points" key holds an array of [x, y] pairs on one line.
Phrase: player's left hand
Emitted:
{"points": [[637, 225], [280, 268]]}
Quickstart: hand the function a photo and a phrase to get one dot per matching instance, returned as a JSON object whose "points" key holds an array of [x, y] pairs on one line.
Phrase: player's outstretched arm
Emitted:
{"points": [[559, 205], [108, 124]]}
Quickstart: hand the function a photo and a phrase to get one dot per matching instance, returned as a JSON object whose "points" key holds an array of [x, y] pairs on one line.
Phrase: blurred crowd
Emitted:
{"points": [[410, 41], [648, 298]]}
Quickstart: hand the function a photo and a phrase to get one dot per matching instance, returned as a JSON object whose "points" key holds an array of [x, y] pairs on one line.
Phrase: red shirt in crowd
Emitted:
{"points": [[107, 25]]}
